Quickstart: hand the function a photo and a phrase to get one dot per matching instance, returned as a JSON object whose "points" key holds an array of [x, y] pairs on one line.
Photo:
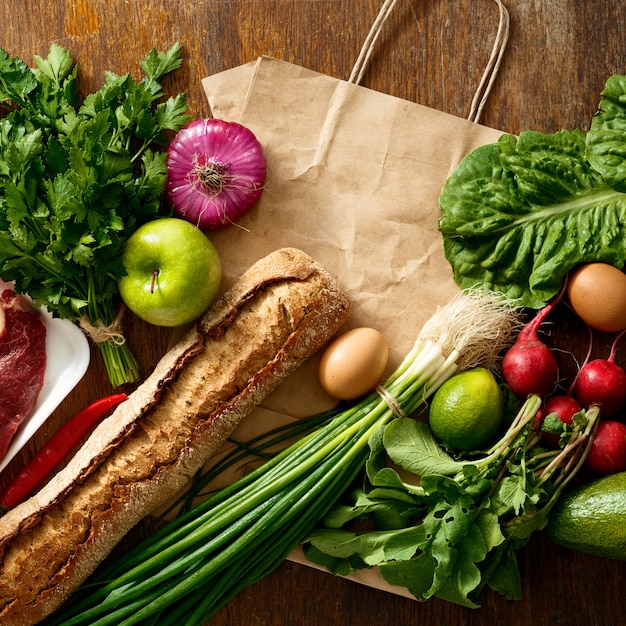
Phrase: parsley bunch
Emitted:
{"points": [[76, 180]]}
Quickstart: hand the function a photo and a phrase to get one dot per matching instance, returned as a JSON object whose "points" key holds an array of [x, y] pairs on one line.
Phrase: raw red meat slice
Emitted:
{"points": [[22, 363]]}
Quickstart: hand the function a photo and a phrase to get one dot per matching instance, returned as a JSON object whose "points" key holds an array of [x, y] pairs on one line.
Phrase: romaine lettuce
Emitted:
{"points": [[518, 214]]}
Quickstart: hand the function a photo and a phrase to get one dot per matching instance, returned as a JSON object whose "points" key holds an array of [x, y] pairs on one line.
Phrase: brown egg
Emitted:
{"points": [[597, 293], [353, 364]]}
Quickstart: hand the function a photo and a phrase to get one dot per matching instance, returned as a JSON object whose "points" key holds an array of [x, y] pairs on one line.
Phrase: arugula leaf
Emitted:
{"points": [[458, 531], [454, 537], [413, 447], [462, 579], [339, 566], [374, 547], [415, 574], [518, 214], [383, 479], [501, 572], [435, 555]]}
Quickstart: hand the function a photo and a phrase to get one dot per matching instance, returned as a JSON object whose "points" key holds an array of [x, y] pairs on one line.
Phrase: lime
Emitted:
{"points": [[466, 411]]}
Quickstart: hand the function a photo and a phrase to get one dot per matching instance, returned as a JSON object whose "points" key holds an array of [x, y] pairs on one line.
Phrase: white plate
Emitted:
{"points": [[67, 359]]}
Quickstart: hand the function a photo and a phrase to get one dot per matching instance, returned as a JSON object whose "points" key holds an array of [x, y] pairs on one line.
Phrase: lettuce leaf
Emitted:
{"points": [[518, 214]]}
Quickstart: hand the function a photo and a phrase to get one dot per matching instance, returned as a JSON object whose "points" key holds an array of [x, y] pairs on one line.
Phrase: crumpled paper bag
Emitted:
{"points": [[353, 179]]}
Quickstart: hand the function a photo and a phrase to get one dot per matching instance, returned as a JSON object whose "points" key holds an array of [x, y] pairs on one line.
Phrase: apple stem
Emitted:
{"points": [[155, 274]]}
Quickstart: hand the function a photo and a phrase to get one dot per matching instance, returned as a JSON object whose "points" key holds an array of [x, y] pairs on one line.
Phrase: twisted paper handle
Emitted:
{"points": [[491, 69]]}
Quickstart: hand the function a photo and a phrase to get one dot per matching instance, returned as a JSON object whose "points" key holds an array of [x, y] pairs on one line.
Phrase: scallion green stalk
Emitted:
{"points": [[196, 563]]}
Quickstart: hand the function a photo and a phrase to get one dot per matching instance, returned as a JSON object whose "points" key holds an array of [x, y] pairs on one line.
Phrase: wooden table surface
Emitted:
{"points": [[559, 55]]}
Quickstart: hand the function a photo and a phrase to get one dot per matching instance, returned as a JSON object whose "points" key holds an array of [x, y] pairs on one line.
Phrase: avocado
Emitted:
{"points": [[591, 518]]}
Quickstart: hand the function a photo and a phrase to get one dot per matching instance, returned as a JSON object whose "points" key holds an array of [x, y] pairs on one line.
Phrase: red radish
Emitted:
{"points": [[607, 453], [529, 366], [602, 382], [565, 408]]}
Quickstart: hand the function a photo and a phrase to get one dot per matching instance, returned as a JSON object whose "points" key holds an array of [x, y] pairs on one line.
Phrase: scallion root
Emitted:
{"points": [[478, 324]]}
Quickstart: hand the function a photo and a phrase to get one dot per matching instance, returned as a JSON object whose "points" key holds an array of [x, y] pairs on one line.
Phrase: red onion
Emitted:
{"points": [[216, 172]]}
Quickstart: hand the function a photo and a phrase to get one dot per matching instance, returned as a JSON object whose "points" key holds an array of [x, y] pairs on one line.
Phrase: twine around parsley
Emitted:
{"points": [[101, 332], [491, 69]]}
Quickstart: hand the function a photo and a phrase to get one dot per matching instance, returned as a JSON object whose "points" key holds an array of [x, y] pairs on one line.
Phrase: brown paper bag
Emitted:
{"points": [[353, 179]]}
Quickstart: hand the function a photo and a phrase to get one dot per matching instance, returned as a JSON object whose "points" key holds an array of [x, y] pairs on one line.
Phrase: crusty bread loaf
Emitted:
{"points": [[278, 314]]}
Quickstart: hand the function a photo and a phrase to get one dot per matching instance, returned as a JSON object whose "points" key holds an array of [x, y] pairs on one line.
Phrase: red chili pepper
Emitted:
{"points": [[57, 448]]}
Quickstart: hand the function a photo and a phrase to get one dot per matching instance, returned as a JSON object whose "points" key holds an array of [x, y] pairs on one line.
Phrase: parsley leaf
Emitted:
{"points": [[77, 179]]}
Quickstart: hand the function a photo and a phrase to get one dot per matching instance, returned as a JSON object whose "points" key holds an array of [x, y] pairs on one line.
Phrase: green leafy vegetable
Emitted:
{"points": [[606, 140], [518, 214], [76, 180], [196, 563], [454, 526]]}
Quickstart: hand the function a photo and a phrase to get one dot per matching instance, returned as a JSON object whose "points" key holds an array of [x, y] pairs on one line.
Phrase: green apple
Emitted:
{"points": [[173, 272]]}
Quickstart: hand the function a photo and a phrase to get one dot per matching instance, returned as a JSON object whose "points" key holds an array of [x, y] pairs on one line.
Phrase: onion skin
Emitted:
{"points": [[216, 172]]}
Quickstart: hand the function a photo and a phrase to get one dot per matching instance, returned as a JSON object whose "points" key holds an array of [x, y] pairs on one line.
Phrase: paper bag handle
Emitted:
{"points": [[491, 69]]}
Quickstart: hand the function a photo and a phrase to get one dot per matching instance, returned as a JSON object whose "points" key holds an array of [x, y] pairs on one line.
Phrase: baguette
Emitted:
{"points": [[281, 311]]}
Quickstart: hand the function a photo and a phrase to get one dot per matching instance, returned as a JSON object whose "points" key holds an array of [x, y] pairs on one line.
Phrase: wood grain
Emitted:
{"points": [[432, 52]]}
